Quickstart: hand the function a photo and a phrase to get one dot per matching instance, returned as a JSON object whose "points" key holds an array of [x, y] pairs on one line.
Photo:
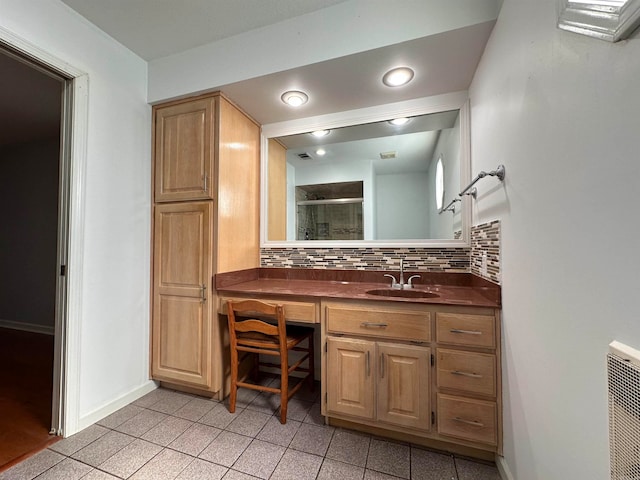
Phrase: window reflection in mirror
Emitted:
{"points": [[395, 165]]}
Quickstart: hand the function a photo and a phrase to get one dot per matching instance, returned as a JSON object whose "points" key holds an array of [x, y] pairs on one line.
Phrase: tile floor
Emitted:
{"points": [[171, 435]]}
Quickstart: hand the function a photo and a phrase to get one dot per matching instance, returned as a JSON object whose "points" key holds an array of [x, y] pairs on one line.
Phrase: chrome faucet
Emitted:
{"points": [[400, 284]]}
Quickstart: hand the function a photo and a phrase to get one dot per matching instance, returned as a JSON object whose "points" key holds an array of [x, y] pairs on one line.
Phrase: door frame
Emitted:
{"points": [[71, 218]]}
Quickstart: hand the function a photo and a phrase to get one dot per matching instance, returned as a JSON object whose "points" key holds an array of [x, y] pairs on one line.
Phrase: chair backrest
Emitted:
{"points": [[256, 308]]}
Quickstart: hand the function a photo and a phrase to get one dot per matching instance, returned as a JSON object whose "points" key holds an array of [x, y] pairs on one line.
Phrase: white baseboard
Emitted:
{"points": [[27, 327], [503, 468], [111, 407]]}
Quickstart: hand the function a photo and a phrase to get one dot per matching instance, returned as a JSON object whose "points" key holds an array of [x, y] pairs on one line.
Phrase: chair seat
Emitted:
{"points": [[295, 335]]}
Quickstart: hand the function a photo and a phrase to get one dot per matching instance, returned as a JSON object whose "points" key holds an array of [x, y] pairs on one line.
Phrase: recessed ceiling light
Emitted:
{"points": [[397, 77], [399, 121], [321, 151], [294, 98], [320, 133]]}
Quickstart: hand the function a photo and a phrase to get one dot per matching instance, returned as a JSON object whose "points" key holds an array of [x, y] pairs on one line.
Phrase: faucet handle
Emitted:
{"points": [[409, 284], [394, 283]]}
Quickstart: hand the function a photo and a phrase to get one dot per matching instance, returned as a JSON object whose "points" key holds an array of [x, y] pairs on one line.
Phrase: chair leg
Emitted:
{"points": [[233, 392], [284, 387]]}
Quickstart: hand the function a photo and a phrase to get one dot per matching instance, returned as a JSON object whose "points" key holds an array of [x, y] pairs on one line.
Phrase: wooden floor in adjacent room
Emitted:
{"points": [[26, 382]]}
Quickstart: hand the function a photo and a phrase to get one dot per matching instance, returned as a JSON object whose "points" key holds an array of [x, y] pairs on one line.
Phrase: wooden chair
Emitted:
{"points": [[255, 336]]}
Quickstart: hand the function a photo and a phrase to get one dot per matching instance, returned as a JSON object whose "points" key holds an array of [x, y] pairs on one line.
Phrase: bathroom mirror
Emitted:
{"points": [[360, 179]]}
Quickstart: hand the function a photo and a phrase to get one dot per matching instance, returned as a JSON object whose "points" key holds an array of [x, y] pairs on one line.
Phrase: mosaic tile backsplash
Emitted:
{"points": [[424, 259], [484, 238], [485, 242]]}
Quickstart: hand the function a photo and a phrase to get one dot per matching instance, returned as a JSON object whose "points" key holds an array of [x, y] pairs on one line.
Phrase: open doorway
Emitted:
{"points": [[33, 103]]}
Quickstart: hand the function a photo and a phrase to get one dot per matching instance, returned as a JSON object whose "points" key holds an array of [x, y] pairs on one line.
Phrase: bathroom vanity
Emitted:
{"points": [[420, 365]]}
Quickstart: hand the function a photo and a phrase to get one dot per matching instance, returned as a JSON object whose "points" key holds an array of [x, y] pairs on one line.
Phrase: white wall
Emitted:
{"points": [[400, 201], [560, 111], [113, 360]]}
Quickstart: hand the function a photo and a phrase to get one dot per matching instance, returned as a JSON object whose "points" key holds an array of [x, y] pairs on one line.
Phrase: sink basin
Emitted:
{"points": [[392, 292]]}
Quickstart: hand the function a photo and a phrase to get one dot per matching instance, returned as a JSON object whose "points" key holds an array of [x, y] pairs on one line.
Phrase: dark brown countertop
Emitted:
{"points": [[451, 288]]}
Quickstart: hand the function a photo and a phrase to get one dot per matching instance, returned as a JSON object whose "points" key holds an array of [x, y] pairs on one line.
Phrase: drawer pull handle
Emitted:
{"points": [[468, 422], [374, 325], [466, 374], [468, 332]]}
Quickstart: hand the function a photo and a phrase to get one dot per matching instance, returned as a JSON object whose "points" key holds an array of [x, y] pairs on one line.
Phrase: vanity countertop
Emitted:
{"points": [[451, 288]]}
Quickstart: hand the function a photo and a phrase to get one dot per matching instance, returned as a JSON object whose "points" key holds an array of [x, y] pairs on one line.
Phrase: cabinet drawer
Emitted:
{"points": [[467, 371], [469, 330], [473, 420], [382, 323], [304, 312]]}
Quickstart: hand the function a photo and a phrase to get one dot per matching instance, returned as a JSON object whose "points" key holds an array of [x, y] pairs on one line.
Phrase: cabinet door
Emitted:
{"points": [[350, 372], [403, 388], [181, 324], [184, 145]]}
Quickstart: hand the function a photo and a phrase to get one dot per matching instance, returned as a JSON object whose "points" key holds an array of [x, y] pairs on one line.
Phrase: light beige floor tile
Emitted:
{"points": [[248, 422], [349, 447], [195, 439], [195, 409], [469, 470], [127, 461], [32, 466], [295, 465], [80, 440], [120, 416], [428, 465], [259, 459], [333, 470], [388, 457], [167, 465], [105, 447], [141, 423], [68, 469], [202, 470], [312, 439], [225, 448], [167, 431], [276, 432]]}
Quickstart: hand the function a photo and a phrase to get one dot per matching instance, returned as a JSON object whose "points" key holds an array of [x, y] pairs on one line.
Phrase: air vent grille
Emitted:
{"points": [[304, 156], [623, 372], [387, 155]]}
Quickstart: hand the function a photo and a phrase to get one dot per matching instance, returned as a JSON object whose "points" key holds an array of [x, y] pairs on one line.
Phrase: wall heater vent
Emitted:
{"points": [[623, 373]]}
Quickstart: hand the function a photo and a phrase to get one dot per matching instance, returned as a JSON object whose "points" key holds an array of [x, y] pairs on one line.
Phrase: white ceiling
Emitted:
{"points": [[157, 28]]}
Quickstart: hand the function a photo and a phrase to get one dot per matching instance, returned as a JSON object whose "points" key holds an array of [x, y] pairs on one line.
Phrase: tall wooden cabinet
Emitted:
{"points": [[206, 220], [182, 330]]}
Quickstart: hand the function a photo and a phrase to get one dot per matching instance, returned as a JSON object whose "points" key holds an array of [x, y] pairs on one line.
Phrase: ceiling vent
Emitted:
{"points": [[387, 155], [304, 156]]}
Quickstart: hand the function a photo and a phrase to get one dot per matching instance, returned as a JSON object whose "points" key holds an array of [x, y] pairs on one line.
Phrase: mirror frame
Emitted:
{"points": [[408, 108]]}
